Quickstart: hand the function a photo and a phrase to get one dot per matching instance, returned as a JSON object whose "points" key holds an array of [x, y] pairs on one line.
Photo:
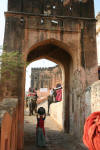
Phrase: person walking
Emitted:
{"points": [[31, 107], [40, 131]]}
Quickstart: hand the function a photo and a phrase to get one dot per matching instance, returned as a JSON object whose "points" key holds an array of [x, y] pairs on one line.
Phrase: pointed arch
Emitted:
{"points": [[51, 41]]}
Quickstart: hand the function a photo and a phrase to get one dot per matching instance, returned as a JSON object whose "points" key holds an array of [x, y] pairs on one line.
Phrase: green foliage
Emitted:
{"points": [[11, 63]]}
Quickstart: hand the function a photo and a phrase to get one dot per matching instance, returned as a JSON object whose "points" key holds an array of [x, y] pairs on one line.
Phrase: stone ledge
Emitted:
{"points": [[43, 15]]}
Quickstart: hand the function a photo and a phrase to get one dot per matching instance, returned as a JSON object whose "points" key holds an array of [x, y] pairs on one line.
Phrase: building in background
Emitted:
{"points": [[98, 41], [46, 77]]}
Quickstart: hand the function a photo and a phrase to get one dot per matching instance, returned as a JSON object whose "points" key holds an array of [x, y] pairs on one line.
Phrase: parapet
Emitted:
{"points": [[75, 8]]}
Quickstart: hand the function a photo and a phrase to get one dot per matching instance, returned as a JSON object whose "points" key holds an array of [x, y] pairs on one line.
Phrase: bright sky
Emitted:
{"points": [[3, 7], [40, 63]]}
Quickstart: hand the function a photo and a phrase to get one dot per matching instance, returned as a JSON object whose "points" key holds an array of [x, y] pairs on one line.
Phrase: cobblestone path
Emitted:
{"points": [[55, 138]]}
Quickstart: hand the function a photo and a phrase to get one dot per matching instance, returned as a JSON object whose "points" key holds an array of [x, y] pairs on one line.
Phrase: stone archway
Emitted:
{"points": [[73, 41], [56, 51]]}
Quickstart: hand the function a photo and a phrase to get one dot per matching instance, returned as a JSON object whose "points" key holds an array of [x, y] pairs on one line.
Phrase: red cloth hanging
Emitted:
{"points": [[59, 95], [91, 137]]}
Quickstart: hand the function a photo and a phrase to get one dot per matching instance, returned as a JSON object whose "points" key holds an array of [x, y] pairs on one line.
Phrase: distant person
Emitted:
{"points": [[51, 99], [30, 89], [35, 96], [32, 102], [27, 101], [40, 131], [54, 95], [31, 107]]}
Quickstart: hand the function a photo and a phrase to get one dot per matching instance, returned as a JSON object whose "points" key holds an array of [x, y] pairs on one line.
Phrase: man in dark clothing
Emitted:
{"points": [[33, 103], [51, 99], [31, 107]]}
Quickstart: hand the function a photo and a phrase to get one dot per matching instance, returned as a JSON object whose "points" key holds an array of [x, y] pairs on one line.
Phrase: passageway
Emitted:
{"points": [[56, 139]]}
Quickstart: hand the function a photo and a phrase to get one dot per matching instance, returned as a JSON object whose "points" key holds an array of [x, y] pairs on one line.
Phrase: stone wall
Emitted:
{"points": [[70, 46], [93, 97], [68, 40], [84, 8], [8, 124], [81, 106], [57, 113]]}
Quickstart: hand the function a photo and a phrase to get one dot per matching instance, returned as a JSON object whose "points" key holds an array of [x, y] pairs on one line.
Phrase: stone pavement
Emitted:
{"points": [[55, 138]]}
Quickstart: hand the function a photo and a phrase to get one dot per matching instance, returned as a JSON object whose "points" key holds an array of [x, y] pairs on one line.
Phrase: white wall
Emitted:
{"points": [[57, 113], [92, 98]]}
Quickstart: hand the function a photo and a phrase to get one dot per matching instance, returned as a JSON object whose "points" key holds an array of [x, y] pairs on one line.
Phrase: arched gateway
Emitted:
{"points": [[62, 31], [50, 49]]}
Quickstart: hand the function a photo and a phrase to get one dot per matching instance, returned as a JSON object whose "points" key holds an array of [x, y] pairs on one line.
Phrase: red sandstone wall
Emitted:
{"points": [[8, 140], [6, 132]]}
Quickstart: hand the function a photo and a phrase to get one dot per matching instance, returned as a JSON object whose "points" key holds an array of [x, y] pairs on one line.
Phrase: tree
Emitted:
{"points": [[12, 64]]}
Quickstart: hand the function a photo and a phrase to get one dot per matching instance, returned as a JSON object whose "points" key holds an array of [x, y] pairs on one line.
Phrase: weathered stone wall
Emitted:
{"points": [[93, 97], [81, 106], [72, 45], [84, 8], [8, 124]]}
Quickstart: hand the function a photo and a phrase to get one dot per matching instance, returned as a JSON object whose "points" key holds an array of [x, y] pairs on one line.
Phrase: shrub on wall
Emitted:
{"points": [[12, 65]]}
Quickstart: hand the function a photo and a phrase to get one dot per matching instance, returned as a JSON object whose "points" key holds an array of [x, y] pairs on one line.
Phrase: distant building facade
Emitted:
{"points": [[98, 41], [46, 77], [98, 37]]}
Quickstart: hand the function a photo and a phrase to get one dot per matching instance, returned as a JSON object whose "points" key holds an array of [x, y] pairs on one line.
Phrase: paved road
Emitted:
{"points": [[55, 138]]}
